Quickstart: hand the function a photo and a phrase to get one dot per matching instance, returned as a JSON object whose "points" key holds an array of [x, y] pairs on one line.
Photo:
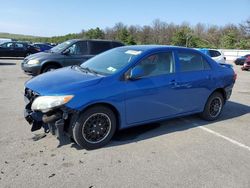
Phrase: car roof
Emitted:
{"points": [[101, 40], [153, 47]]}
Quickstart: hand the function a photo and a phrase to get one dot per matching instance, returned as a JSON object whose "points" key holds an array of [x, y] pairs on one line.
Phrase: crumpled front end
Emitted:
{"points": [[57, 121]]}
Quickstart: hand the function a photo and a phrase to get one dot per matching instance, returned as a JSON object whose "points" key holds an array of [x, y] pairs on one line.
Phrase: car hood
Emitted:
{"points": [[62, 81], [44, 55]]}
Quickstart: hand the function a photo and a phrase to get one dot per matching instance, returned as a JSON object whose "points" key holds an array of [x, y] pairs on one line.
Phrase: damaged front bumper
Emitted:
{"points": [[54, 122], [57, 121]]}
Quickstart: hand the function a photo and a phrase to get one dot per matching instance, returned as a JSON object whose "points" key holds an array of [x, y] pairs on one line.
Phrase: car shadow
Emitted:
{"points": [[147, 131], [6, 64], [12, 58], [135, 134]]}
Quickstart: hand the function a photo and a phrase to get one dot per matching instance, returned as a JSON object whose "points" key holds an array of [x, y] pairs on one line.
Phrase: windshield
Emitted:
{"points": [[61, 47], [111, 61]]}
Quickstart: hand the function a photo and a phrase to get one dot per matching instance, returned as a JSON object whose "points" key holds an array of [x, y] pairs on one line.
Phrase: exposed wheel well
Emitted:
{"points": [[115, 111], [50, 63], [221, 91]]}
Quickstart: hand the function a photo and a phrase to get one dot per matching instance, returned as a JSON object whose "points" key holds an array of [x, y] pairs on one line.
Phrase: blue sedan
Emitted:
{"points": [[126, 87]]}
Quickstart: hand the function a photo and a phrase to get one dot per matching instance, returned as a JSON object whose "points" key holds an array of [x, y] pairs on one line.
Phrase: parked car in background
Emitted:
{"points": [[42, 46], [216, 55], [125, 87], [17, 49], [68, 53], [241, 60], [246, 65]]}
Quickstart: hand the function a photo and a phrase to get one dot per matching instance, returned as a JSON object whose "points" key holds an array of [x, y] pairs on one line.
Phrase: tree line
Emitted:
{"points": [[159, 32]]}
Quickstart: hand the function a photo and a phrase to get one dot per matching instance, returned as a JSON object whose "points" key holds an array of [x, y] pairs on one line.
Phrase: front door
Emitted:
{"points": [[77, 54], [7, 50], [154, 95]]}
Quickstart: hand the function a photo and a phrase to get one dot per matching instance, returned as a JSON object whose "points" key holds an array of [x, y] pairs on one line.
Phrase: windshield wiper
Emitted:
{"points": [[89, 70]]}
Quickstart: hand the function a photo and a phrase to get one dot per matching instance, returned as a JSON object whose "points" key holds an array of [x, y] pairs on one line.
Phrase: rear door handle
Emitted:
{"points": [[174, 84]]}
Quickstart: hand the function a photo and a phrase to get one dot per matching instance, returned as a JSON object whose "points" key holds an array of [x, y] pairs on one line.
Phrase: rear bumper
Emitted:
{"points": [[228, 91]]}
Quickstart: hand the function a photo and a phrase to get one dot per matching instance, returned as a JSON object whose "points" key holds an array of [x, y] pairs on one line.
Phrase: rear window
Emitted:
{"points": [[190, 61], [19, 45], [97, 47], [214, 53]]}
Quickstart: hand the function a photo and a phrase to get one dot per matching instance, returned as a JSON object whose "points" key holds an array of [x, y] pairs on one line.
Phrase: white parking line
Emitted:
{"points": [[226, 138], [220, 135]]}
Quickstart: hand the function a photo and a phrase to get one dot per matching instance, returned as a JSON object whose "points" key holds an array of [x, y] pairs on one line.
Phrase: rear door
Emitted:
{"points": [[196, 80], [77, 53]]}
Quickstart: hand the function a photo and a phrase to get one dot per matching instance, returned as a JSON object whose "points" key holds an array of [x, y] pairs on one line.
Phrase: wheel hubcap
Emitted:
{"points": [[96, 128], [215, 107]]}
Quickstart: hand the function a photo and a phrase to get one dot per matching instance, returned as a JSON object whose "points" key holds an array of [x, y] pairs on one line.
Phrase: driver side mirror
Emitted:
{"points": [[66, 52], [136, 73]]}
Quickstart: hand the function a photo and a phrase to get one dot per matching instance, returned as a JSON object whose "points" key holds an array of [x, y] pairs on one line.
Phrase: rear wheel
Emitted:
{"points": [[95, 127], [48, 68], [213, 107]]}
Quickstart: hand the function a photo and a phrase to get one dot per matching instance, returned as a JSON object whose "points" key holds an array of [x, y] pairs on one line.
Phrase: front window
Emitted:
{"points": [[111, 61], [8, 45], [61, 47], [79, 48], [157, 64]]}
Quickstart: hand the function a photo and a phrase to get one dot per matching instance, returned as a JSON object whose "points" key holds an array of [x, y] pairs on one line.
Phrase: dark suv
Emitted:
{"points": [[71, 52]]}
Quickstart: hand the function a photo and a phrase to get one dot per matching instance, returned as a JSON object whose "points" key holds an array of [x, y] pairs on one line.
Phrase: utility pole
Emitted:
{"points": [[188, 37]]}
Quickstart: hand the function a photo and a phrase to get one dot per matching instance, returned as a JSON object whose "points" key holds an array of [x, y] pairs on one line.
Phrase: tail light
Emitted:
{"points": [[234, 76]]}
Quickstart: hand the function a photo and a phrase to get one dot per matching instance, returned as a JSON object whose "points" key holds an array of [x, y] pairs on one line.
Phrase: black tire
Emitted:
{"points": [[27, 54], [213, 107], [98, 121], [48, 68]]}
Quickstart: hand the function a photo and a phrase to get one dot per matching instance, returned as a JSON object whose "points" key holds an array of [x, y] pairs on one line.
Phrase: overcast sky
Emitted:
{"points": [[52, 17]]}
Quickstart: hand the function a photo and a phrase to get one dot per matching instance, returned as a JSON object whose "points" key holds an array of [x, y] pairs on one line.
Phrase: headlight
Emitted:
{"points": [[33, 62], [46, 103]]}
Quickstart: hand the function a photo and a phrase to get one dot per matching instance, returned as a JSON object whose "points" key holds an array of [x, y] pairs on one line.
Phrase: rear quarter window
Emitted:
{"points": [[97, 47]]}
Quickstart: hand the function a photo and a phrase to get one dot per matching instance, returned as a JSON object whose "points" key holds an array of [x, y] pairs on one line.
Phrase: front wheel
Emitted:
{"points": [[95, 127], [213, 107], [27, 54]]}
